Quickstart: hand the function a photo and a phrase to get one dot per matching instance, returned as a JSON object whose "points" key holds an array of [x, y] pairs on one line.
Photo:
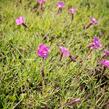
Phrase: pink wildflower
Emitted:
{"points": [[20, 20], [72, 11], [64, 51], [93, 21], [95, 44], [41, 1], [106, 53], [60, 4], [43, 51], [105, 63]]}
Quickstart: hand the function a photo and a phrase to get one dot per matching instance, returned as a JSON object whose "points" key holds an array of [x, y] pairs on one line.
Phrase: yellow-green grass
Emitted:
{"points": [[20, 78]]}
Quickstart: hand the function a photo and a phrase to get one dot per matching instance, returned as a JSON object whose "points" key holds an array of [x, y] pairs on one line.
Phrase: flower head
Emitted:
{"points": [[41, 1], [43, 51], [105, 63], [72, 10], [60, 4], [20, 20], [106, 53], [93, 21], [64, 51], [95, 44]]}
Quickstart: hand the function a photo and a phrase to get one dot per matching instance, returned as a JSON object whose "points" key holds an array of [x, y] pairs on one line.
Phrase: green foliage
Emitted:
{"points": [[20, 80]]}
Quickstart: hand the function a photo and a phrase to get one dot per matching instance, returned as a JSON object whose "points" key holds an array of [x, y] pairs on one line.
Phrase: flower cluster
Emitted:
{"points": [[43, 50], [96, 44]]}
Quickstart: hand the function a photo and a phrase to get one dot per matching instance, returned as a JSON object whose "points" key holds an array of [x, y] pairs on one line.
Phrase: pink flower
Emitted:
{"points": [[60, 4], [72, 10], [41, 4], [64, 51], [43, 51], [106, 53], [95, 44], [93, 21], [105, 63], [41, 1], [20, 20]]}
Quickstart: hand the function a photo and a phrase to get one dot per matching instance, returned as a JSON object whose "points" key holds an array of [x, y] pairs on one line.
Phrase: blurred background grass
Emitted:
{"points": [[20, 79]]}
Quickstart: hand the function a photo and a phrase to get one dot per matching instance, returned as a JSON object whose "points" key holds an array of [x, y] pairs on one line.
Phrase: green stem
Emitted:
{"points": [[43, 74]]}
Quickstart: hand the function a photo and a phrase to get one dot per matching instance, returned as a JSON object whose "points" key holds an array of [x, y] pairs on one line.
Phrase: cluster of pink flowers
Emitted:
{"points": [[96, 44], [43, 50], [60, 6]]}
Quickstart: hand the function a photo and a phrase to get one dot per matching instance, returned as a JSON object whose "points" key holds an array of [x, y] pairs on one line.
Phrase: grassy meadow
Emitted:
{"points": [[21, 82]]}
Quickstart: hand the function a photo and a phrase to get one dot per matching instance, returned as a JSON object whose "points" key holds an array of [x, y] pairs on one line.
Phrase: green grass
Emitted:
{"points": [[20, 78]]}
